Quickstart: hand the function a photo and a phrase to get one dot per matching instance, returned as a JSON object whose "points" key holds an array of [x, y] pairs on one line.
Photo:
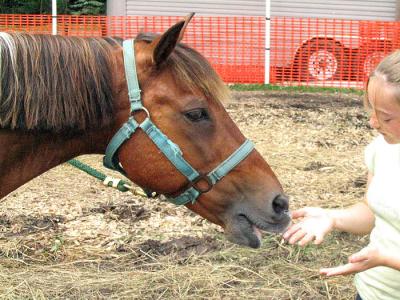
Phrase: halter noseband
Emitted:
{"points": [[169, 148]]}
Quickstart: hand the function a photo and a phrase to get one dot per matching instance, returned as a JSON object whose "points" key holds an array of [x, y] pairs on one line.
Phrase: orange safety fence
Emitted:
{"points": [[304, 51]]}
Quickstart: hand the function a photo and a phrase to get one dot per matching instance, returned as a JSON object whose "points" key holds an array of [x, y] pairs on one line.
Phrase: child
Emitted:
{"points": [[378, 265]]}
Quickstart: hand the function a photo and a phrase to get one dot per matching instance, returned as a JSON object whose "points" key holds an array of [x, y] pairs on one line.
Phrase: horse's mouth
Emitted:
{"points": [[246, 230]]}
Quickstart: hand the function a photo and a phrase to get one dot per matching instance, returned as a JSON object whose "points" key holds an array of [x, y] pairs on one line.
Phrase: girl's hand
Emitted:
{"points": [[315, 223], [365, 259]]}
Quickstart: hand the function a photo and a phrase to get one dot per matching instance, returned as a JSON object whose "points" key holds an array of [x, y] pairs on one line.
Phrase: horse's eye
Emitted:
{"points": [[197, 115]]}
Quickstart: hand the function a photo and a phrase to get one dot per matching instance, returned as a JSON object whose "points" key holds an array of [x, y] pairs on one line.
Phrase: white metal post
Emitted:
{"points": [[54, 16], [267, 40]]}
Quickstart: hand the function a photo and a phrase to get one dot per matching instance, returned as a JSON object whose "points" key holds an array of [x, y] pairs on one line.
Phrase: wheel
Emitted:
{"points": [[319, 60], [371, 61], [372, 54]]}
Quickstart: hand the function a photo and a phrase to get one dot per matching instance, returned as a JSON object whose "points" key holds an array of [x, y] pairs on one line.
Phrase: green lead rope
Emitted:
{"points": [[116, 183]]}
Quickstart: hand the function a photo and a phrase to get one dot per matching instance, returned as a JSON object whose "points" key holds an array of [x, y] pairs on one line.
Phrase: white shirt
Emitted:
{"points": [[383, 196]]}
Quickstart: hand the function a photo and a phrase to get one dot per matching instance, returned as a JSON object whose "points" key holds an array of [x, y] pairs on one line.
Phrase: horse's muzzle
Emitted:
{"points": [[246, 221]]}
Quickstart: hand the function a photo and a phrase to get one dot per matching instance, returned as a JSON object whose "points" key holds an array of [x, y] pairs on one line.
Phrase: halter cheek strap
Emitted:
{"points": [[167, 147]]}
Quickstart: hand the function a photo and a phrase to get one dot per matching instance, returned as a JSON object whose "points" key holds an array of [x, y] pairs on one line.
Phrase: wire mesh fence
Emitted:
{"points": [[304, 51]]}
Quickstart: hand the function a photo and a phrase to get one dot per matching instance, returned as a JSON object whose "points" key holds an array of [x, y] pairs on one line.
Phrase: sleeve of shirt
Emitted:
{"points": [[370, 155]]}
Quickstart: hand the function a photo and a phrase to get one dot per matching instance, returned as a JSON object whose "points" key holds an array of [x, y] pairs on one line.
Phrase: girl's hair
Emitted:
{"points": [[389, 70]]}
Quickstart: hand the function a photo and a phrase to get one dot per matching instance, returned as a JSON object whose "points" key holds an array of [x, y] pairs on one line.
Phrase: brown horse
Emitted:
{"points": [[61, 97]]}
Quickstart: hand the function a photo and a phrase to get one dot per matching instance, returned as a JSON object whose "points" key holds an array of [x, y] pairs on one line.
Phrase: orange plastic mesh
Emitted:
{"points": [[304, 51]]}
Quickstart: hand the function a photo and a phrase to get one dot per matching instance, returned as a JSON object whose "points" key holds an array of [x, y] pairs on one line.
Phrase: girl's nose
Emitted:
{"points": [[373, 121]]}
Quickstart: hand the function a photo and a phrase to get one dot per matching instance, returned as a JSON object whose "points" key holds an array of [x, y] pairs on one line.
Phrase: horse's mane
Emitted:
{"points": [[57, 83], [54, 83], [192, 70]]}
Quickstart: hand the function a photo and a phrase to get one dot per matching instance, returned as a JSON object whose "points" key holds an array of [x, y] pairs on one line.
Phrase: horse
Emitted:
{"points": [[154, 107]]}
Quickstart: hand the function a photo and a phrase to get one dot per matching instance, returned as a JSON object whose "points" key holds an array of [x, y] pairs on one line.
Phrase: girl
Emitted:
{"points": [[378, 265]]}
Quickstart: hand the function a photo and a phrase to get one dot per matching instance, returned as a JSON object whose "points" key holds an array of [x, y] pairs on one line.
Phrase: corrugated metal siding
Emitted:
{"points": [[343, 9], [203, 7]]}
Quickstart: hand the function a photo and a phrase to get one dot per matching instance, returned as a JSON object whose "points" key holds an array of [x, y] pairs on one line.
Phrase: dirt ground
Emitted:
{"points": [[65, 235]]}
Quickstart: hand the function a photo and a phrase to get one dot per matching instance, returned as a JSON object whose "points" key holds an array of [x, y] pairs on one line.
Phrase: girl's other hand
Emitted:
{"points": [[365, 259]]}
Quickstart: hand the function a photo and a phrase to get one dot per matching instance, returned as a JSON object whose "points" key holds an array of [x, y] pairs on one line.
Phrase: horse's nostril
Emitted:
{"points": [[280, 204]]}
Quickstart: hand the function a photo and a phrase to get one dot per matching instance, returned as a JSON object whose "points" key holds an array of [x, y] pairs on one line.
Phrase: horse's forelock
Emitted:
{"points": [[192, 70]]}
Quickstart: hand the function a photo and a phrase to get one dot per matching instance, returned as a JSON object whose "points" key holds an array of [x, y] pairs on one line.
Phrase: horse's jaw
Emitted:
{"points": [[245, 229]]}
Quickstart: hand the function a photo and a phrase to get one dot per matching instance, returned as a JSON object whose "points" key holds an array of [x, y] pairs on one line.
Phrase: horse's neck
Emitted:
{"points": [[25, 156]]}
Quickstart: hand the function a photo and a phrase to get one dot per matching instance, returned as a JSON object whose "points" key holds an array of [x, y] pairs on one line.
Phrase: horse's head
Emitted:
{"points": [[183, 95]]}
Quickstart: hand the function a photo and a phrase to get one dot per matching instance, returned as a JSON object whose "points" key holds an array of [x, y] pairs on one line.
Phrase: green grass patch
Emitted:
{"points": [[303, 89]]}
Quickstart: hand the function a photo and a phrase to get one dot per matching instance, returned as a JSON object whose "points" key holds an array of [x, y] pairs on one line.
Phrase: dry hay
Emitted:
{"points": [[64, 235]]}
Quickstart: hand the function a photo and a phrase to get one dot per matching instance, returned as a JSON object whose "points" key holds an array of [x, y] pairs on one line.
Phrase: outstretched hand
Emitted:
{"points": [[314, 224], [365, 259]]}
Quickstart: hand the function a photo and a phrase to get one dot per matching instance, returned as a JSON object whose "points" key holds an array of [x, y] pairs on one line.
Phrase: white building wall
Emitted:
{"points": [[343, 9], [340, 9], [200, 7]]}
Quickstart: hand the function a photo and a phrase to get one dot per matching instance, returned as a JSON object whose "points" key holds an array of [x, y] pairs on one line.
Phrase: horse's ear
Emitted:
{"points": [[165, 44]]}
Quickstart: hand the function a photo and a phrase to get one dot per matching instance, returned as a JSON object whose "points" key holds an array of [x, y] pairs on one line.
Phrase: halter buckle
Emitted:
{"points": [[196, 184]]}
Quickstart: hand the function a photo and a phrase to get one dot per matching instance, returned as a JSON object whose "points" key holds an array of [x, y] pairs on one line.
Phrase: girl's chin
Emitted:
{"points": [[391, 140]]}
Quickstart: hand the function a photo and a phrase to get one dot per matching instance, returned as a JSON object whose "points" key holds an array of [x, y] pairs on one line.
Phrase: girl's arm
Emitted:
{"points": [[315, 223], [392, 261], [357, 219], [367, 258]]}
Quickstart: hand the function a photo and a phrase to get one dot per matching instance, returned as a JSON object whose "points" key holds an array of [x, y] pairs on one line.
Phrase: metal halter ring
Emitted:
{"points": [[142, 108], [198, 179]]}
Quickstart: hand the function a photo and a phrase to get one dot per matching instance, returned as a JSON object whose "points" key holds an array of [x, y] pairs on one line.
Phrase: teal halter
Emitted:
{"points": [[169, 148]]}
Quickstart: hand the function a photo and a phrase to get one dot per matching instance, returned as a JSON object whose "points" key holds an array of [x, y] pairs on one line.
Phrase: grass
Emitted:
{"points": [[302, 89], [276, 271]]}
